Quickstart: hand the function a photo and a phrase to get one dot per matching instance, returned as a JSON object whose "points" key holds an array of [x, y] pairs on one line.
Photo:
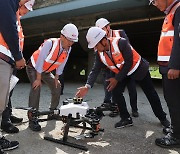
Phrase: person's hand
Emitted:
{"points": [[173, 74], [82, 91], [57, 82], [36, 84], [20, 63], [22, 2], [112, 83]]}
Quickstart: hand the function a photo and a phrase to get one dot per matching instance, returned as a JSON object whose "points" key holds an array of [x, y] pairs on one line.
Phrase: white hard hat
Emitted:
{"points": [[102, 22], [94, 35], [70, 31], [29, 5]]}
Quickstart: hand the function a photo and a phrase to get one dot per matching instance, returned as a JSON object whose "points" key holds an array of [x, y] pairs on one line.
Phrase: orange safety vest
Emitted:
{"points": [[4, 47], [20, 31], [167, 36], [118, 61], [115, 33], [54, 58]]}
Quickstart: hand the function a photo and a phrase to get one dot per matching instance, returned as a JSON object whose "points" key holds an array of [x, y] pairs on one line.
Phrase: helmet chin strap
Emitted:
{"points": [[108, 32], [102, 44]]}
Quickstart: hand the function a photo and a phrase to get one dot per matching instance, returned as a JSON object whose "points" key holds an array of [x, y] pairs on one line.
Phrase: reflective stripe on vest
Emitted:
{"points": [[3, 45], [115, 33], [54, 58], [4, 48], [118, 59], [20, 31], [50, 58], [167, 36]]}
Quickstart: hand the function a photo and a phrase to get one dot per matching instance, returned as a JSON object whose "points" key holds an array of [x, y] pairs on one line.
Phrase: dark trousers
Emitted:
{"points": [[108, 94], [118, 98], [8, 110], [171, 89], [151, 94], [61, 79], [131, 86]]}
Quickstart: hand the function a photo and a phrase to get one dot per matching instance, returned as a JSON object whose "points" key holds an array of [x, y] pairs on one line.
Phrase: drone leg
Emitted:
{"points": [[66, 128], [65, 137]]}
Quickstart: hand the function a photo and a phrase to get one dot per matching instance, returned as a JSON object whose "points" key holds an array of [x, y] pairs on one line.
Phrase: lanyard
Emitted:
{"points": [[111, 58], [58, 55]]}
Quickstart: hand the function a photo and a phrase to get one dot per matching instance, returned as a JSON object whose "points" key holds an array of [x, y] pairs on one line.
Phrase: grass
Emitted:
{"points": [[154, 71]]}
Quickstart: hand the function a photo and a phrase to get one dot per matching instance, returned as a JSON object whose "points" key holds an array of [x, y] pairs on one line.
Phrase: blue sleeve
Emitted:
{"points": [[124, 35], [97, 66], [174, 62], [8, 26]]}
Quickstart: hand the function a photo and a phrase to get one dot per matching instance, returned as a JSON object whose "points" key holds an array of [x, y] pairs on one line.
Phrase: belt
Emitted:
{"points": [[7, 59], [163, 63]]}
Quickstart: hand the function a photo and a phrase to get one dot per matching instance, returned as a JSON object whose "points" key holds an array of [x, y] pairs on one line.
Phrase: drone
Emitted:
{"points": [[74, 113]]}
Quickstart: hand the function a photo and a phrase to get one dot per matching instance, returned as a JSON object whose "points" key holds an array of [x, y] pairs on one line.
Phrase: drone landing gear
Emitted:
{"points": [[64, 141]]}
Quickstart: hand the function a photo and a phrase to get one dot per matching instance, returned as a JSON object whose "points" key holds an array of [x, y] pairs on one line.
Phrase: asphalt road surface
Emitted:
{"points": [[138, 139]]}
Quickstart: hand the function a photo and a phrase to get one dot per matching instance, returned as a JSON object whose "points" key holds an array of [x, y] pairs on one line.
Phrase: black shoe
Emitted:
{"points": [[107, 102], [8, 145], [15, 119], [113, 114], [135, 114], [168, 142], [1, 151], [165, 123], [8, 127], [104, 104], [124, 123], [167, 130], [53, 117], [34, 125]]}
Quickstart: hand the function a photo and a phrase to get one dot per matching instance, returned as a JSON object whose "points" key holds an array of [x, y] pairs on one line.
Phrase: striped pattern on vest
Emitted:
{"points": [[54, 58], [115, 33], [118, 61], [20, 31], [167, 36], [3, 45], [4, 48]]}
